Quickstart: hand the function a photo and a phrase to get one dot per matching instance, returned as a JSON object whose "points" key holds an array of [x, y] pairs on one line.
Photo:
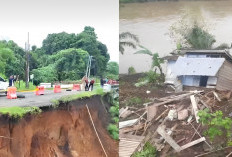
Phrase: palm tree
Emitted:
{"points": [[156, 60], [123, 42]]}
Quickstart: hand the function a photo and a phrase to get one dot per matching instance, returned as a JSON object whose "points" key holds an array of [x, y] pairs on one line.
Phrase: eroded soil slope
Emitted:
{"points": [[62, 132]]}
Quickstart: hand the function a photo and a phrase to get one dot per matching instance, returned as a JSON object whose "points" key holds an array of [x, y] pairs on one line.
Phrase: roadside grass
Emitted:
{"points": [[87, 94], [23, 86], [19, 112]]}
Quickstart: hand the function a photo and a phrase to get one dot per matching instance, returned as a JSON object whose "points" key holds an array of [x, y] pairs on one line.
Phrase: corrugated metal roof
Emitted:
{"points": [[204, 51], [198, 66]]}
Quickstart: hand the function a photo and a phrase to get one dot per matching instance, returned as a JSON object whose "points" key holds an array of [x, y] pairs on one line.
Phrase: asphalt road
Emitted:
{"points": [[34, 100]]}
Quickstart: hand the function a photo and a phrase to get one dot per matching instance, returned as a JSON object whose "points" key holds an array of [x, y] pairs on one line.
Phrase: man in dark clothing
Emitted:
{"points": [[102, 82], [11, 81], [91, 84], [86, 84]]}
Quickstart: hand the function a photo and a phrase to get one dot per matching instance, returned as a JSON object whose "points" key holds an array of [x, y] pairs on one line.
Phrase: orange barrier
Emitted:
{"points": [[39, 90], [11, 93], [76, 87], [57, 89]]}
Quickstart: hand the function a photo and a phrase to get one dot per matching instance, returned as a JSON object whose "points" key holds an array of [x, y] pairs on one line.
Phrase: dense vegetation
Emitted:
{"points": [[63, 56]]}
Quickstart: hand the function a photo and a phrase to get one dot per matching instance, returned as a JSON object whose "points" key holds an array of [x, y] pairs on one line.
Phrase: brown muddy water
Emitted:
{"points": [[62, 132], [151, 22]]}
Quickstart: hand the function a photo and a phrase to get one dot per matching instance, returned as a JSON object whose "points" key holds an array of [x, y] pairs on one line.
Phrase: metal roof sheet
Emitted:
{"points": [[198, 66]]}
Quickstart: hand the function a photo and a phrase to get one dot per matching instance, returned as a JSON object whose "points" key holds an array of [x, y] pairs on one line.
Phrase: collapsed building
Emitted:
{"points": [[200, 68]]}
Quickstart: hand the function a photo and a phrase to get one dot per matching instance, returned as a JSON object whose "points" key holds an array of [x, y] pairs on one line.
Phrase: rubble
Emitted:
{"points": [[183, 114], [172, 114], [167, 123]]}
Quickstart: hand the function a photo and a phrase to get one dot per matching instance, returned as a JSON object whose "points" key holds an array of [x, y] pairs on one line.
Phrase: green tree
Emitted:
{"points": [[112, 70], [199, 38], [86, 40], [45, 74], [58, 41], [12, 59], [70, 64], [156, 60], [123, 41], [191, 31]]}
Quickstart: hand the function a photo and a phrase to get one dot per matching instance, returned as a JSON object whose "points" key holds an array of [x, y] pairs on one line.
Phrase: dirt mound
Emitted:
{"points": [[128, 90], [63, 132]]}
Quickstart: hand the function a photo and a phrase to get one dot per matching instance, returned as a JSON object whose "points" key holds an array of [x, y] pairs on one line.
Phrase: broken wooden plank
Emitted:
{"points": [[161, 115], [128, 143], [217, 97], [193, 143], [131, 128], [194, 133], [171, 100], [151, 112], [201, 101], [200, 135], [149, 136], [168, 139], [127, 123], [195, 109], [122, 110]]}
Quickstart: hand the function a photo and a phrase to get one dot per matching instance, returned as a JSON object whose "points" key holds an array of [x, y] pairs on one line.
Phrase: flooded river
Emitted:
{"points": [[151, 23]]}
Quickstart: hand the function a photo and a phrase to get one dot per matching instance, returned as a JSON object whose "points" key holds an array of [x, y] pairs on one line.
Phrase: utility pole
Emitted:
{"points": [[27, 49], [88, 66]]}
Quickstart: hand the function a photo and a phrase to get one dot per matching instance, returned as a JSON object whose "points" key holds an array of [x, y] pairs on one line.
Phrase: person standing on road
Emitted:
{"points": [[106, 80], [86, 84], [11, 81], [91, 84], [102, 82]]}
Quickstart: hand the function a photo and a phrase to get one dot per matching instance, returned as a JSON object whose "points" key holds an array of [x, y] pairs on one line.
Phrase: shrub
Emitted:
{"points": [[45, 74], [131, 70], [217, 125], [153, 77], [148, 151], [113, 130], [114, 110]]}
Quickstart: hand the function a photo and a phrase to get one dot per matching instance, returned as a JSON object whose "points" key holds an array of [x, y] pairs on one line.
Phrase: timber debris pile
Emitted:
{"points": [[172, 124]]}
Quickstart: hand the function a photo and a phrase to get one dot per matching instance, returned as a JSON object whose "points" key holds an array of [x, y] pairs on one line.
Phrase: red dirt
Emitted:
{"points": [[65, 132]]}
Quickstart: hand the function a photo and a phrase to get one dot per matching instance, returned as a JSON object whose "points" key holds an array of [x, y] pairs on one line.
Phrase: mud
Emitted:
{"points": [[62, 132]]}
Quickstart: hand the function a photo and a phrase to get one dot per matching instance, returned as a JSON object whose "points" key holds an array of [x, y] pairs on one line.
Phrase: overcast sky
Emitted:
{"points": [[41, 17]]}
